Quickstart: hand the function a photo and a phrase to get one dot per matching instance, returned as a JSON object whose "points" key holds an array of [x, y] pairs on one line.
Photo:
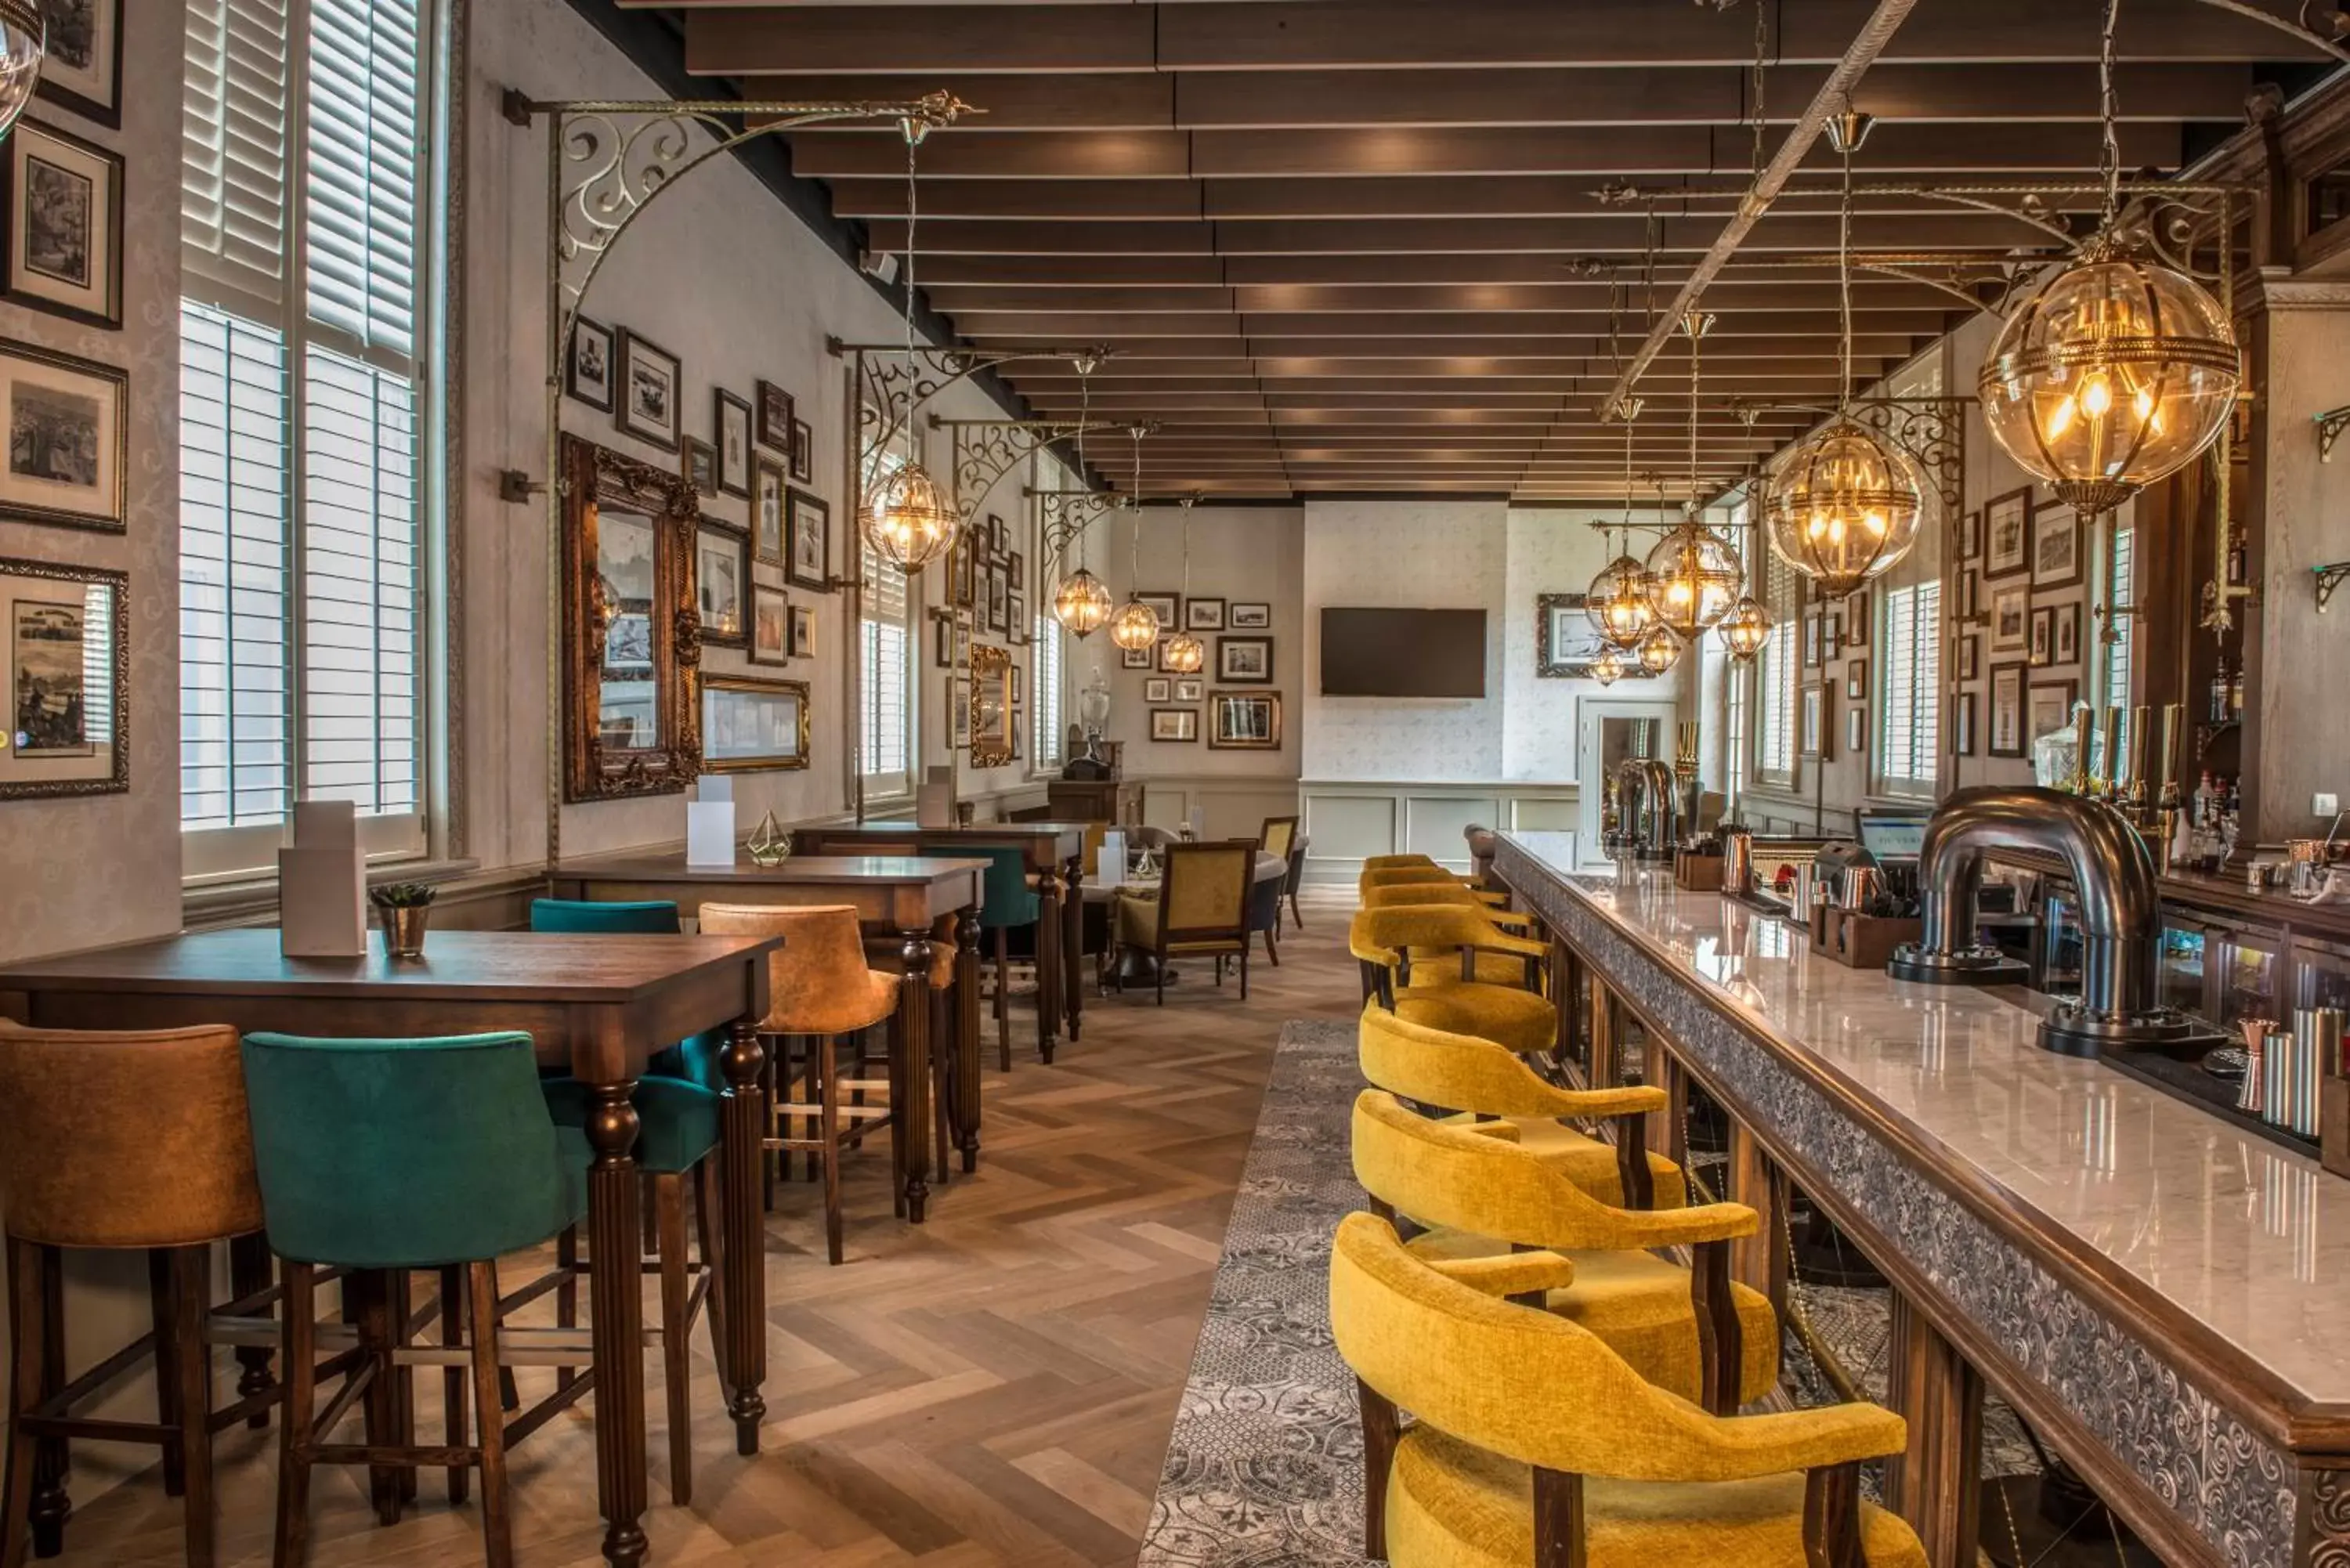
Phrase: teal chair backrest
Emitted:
{"points": [[1006, 899], [583, 916], [406, 1154]]}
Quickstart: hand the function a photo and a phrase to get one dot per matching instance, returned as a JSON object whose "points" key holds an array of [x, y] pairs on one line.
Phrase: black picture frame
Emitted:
{"points": [[2040, 646], [2053, 566], [1203, 613], [1249, 614], [1167, 608], [803, 452], [808, 528], [771, 625], [71, 162], [730, 415], [1180, 725], [2067, 643], [803, 623], [1015, 630], [84, 77], [1969, 659], [942, 638], [2001, 560], [1134, 658], [662, 431], [1855, 680], [1962, 724], [775, 410], [1226, 647], [37, 498], [575, 385], [708, 536], [1855, 732], [698, 461], [2015, 673]]}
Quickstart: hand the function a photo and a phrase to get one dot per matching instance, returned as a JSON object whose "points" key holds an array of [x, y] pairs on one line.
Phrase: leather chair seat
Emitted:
{"points": [[1587, 1161], [1520, 1019], [1452, 1503]]}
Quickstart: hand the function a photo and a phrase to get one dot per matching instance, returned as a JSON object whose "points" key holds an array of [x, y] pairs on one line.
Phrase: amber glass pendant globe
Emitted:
{"points": [[1617, 603], [1844, 507], [1081, 603], [23, 45], [1658, 651], [1134, 626], [908, 520], [2115, 373], [1608, 667], [1745, 628], [1693, 575], [1186, 654]]}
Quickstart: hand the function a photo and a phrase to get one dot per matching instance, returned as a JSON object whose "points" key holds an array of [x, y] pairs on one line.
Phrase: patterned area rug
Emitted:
{"points": [[1264, 1466]]}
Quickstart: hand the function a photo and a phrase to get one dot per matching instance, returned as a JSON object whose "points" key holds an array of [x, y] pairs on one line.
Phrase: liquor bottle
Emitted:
{"points": [[2238, 563], [2219, 695], [2236, 691]]}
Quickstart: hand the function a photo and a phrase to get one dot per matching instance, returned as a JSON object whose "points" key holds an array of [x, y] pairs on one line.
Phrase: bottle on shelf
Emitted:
{"points": [[2236, 690], [2221, 688], [2239, 561]]}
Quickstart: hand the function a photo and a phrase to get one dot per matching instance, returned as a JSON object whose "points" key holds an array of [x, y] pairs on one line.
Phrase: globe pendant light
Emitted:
{"points": [[2117, 371], [1186, 654], [1136, 626], [1658, 651], [1745, 628], [907, 519], [1617, 602], [1081, 603], [1847, 502], [1608, 667], [23, 45], [1693, 572]]}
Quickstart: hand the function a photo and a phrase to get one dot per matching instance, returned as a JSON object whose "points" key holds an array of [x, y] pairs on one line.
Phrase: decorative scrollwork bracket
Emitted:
{"points": [[987, 450]]}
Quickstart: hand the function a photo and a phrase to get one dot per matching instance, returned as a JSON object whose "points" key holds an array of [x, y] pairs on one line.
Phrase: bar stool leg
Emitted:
{"points": [[828, 1136], [191, 1273], [28, 1327], [167, 1363], [710, 1223], [51, 1457], [677, 1354], [293, 1422], [497, 1527], [452, 1378], [250, 1268]]}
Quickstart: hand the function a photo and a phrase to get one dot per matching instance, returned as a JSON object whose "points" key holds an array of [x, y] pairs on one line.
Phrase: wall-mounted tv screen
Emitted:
{"points": [[1403, 653]]}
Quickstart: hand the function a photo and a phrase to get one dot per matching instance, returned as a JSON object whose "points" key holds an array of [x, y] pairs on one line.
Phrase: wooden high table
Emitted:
{"points": [[907, 895], [1055, 853], [600, 1006]]}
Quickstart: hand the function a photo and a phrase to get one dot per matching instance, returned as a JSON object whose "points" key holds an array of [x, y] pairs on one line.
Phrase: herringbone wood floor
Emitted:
{"points": [[994, 1386]]}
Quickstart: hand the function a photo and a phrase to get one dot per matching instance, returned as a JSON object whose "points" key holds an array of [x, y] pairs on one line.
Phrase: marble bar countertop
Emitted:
{"points": [[2247, 1240]]}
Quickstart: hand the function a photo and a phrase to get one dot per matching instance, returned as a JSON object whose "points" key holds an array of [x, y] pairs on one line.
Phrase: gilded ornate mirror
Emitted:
{"points": [[631, 630], [992, 741]]}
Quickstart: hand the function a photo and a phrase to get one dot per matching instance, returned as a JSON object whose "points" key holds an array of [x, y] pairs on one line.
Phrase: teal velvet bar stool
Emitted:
{"points": [[679, 1101], [397, 1155], [1006, 901]]}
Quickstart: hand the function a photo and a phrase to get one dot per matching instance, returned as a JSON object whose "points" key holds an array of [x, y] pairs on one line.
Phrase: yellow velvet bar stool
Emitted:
{"points": [[1409, 875], [1428, 992], [1451, 944], [1389, 862], [1475, 1079], [1525, 1417], [1447, 893], [1692, 1331]]}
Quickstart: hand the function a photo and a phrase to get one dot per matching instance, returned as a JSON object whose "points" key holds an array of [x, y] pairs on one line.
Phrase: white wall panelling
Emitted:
{"points": [[1352, 819]]}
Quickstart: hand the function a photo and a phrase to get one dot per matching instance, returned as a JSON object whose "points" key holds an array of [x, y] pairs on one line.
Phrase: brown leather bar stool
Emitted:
{"points": [[85, 1162], [821, 991]]}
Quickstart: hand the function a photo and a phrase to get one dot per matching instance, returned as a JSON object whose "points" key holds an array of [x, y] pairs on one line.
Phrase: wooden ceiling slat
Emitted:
{"points": [[1555, 239], [1061, 326], [1499, 348], [976, 303]]}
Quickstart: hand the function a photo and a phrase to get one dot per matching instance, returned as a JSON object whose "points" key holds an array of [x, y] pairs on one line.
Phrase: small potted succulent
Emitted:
{"points": [[403, 908]]}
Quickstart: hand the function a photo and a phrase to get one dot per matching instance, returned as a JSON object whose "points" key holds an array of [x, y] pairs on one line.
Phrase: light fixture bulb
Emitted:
{"points": [[907, 519], [1617, 602], [1693, 575], [1658, 651], [2114, 374], [1186, 654], [1134, 626], [24, 46], [1844, 507], [1745, 628], [1081, 603], [1608, 667]]}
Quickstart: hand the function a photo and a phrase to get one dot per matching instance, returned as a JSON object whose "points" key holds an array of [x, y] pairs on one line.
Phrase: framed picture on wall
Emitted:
{"points": [[1248, 616], [1969, 606], [767, 490], [2056, 548], [1244, 721], [2007, 710], [1174, 723], [1159, 689], [1855, 680], [1812, 640], [810, 521], [1134, 658], [803, 452], [698, 463], [1855, 619], [753, 723], [1812, 728], [1969, 657], [2068, 634], [2007, 533], [647, 387], [81, 71], [961, 572], [959, 711], [64, 637], [803, 632], [722, 578], [63, 197], [773, 407], [2011, 619], [1244, 660], [1189, 688], [588, 376], [771, 630], [1167, 608], [2048, 707], [1855, 732], [67, 434], [730, 432], [2041, 648], [1962, 724], [1203, 614], [1971, 536]]}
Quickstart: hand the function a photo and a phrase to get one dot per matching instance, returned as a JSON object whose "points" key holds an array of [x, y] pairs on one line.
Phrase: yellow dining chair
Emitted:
{"points": [[1427, 989], [1525, 1417], [1425, 875], [1395, 895], [1692, 1330], [1474, 1078]]}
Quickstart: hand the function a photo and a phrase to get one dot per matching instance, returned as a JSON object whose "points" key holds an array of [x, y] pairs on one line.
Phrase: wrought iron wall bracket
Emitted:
{"points": [[1932, 431], [987, 450], [2328, 579], [893, 383], [2330, 426]]}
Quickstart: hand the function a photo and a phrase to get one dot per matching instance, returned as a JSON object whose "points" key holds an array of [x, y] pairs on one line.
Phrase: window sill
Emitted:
{"points": [[247, 900]]}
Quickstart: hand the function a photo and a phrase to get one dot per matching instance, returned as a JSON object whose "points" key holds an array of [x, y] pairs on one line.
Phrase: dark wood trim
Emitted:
{"points": [[1381, 1430], [1558, 1520], [1936, 1483], [1720, 1338], [1832, 1517]]}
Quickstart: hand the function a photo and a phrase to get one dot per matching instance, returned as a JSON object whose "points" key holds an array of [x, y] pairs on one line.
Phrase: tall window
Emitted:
{"points": [[1912, 674], [2121, 662], [884, 646], [302, 396], [1045, 700], [1775, 677]]}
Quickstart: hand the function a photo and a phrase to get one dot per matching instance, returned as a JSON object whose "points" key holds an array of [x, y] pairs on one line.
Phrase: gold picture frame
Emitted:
{"points": [[753, 723], [992, 731], [1244, 721]]}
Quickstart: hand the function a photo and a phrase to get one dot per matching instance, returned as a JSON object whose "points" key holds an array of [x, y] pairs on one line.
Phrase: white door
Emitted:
{"points": [[1606, 731]]}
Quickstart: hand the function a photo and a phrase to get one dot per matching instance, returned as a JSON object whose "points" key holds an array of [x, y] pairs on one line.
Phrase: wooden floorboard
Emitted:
{"points": [[995, 1386]]}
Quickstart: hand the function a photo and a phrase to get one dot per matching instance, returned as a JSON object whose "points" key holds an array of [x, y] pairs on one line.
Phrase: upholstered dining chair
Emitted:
{"points": [[1394, 894], [1491, 1088], [1201, 909], [1276, 836], [1692, 1331], [1406, 973], [1533, 1443], [1008, 902], [87, 1162]]}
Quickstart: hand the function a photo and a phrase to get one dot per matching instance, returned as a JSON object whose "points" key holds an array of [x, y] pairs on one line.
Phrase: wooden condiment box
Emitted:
{"points": [[1858, 940], [1697, 873]]}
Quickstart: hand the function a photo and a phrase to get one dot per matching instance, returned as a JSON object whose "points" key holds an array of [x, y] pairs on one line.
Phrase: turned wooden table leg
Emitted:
{"points": [[1073, 943], [966, 1035], [742, 1281], [1936, 1483], [1049, 963], [615, 1310], [912, 1078]]}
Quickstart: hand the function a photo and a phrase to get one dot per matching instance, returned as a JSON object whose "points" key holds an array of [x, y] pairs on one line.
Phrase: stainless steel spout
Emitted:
{"points": [[1650, 808]]}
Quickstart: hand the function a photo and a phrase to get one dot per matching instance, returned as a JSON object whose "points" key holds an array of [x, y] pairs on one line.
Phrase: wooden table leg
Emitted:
{"points": [[250, 1270], [1936, 1483], [1073, 943], [616, 1311], [743, 1367], [910, 1105], [966, 1035], [1049, 963]]}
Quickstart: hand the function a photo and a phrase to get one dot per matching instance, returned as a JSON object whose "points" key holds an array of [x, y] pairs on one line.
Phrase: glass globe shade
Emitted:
{"points": [[1658, 651], [23, 45], [1081, 603], [1693, 575], [1844, 507], [1608, 667], [1617, 603], [1186, 654], [1134, 626], [907, 519], [2115, 373], [1745, 628]]}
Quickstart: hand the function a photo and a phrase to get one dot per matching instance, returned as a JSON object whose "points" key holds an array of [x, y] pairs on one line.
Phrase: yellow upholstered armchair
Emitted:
{"points": [[1390, 862], [1692, 1331], [1535, 1443], [1476, 1078], [1427, 989], [1201, 909], [1453, 893]]}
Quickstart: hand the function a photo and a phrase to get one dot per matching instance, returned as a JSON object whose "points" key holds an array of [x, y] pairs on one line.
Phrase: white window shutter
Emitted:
{"points": [[360, 178], [233, 149]]}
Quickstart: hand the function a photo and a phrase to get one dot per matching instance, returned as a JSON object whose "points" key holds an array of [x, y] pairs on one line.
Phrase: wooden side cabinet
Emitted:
{"points": [[1114, 801]]}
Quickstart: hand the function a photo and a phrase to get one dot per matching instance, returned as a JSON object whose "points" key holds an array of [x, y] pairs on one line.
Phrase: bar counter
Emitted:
{"points": [[2164, 1296]]}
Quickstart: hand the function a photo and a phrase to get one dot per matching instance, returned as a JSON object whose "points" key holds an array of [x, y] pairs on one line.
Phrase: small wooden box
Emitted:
{"points": [[1697, 873], [1858, 940]]}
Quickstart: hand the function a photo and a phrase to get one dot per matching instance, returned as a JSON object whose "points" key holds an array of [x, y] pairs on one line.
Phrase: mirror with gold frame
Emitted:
{"points": [[992, 741], [632, 629]]}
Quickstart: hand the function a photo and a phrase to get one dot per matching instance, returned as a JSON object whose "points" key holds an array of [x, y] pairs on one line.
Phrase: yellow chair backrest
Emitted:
{"points": [[1459, 1072], [1382, 936], [1389, 895], [1381, 862]]}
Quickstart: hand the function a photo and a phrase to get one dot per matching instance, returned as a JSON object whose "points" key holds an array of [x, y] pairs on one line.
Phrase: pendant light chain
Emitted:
{"points": [[2109, 150], [914, 222], [1844, 277], [1761, 49]]}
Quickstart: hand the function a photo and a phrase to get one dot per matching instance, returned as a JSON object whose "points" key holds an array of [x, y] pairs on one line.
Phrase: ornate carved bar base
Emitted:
{"points": [[1073, 944]]}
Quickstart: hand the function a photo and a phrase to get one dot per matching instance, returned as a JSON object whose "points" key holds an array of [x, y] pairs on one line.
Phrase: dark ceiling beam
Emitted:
{"points": [[1501, 348], [1556, 239], [1058, 328], [1576, 359], [972, 303], [1376, 270]]}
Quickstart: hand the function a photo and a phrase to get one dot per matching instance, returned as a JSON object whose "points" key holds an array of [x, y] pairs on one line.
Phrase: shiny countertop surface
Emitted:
{"points": [[2247, 1237]]}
